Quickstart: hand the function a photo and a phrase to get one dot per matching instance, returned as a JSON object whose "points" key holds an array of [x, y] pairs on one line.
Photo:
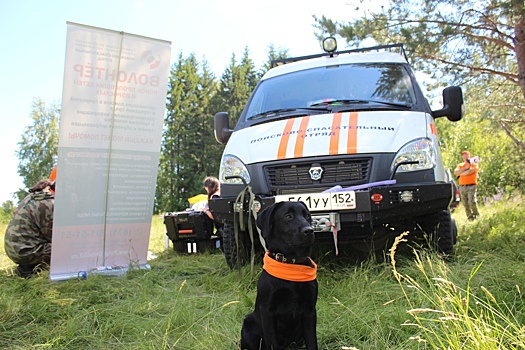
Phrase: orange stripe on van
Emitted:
{"points": [[351, 146], [334, 139], [283, 145], [299, 143], [433, 129]]}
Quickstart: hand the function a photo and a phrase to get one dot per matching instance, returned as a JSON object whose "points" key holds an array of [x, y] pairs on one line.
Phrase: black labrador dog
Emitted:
{"points": [[285, 315]]}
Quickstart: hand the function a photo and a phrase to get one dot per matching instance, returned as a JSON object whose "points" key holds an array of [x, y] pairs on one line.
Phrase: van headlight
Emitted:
{"points": [[421, 150], [232, 166]]}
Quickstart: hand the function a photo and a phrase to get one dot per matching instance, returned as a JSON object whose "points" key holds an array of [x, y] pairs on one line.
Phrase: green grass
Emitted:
{"points": [[192, 302]]}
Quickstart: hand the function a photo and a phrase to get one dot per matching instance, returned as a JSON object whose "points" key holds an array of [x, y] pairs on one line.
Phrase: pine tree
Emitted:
{"points": [[187, 149], [236, 84], [273, 54], [212, 150]]}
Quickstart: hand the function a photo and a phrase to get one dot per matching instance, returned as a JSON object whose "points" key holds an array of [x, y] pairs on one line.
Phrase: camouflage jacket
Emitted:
{"points": [[28, 236]]}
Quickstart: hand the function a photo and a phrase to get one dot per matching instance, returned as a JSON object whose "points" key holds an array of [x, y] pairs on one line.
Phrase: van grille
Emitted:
{"points": [[335, 172]]}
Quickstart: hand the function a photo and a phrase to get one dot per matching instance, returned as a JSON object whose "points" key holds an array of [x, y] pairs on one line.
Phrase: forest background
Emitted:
{"points": [[478, 45]]}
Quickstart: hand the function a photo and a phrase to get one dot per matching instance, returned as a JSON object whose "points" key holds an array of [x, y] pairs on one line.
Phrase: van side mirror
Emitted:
{"points": [[222, 127], [453, 107]]}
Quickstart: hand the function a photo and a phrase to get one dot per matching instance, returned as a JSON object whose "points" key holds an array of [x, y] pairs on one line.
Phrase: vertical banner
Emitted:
{"points": [[111, 121]]}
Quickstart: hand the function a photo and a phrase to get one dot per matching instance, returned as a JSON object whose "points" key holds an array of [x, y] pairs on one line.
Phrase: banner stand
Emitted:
{"points": [[111, 121]]}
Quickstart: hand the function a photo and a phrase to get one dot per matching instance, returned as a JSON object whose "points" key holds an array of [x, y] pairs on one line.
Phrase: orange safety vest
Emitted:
{"points": [[471, 179]]}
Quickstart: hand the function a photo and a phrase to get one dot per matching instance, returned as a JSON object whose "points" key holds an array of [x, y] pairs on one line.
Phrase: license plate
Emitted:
{"points": [[322, 201]]}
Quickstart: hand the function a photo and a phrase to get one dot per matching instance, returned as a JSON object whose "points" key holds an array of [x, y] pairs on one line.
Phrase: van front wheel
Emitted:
{"points": [[441, 229], [233, 255]]}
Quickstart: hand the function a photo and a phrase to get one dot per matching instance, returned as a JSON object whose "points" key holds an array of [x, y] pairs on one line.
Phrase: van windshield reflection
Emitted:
{"points": [[331, 87]]}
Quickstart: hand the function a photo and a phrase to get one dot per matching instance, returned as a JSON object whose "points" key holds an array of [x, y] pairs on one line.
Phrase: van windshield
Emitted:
{"points": [[362, 83]]}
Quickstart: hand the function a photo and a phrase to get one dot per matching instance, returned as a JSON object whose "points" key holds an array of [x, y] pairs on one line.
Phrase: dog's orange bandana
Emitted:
{"points": [[290, 272]]}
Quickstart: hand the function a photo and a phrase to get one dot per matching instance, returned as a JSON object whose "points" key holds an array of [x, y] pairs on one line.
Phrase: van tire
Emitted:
{"points": [[229, 247], [444, 233], [454, 230], [440, 229]]}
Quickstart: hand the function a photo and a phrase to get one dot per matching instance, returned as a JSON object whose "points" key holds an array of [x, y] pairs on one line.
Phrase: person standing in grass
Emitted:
{"points": [[467, 171], [28, 236]]}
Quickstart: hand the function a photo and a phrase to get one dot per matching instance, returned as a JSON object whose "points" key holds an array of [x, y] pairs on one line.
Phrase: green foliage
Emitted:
{"points": [[188, 150], [38, 147], [273, 54], [501, 165], [8, 207], [235, 86]]}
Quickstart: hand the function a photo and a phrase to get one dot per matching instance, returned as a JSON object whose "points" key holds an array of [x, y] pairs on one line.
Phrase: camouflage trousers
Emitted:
{"points": [[469, 200], [36, 255]]}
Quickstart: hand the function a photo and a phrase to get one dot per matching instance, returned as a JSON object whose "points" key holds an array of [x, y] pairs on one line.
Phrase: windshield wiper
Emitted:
{"points": [[334, 102], [342, 102], [276, 112], [324, 105], [394, 104]]}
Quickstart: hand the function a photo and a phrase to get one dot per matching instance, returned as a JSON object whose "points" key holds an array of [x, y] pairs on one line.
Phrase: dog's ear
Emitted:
{"points": [[307, 210], [265, 219]]}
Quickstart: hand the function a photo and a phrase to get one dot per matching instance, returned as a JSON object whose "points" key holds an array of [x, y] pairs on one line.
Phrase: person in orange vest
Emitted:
{"points": [[467, 171]]}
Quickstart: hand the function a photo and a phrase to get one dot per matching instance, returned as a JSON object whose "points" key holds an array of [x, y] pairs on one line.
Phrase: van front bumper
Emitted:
{"points": [[373, 206]]}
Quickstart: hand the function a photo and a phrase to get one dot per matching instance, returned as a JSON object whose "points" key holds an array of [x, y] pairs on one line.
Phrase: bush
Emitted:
{"points": [[6, 212]]}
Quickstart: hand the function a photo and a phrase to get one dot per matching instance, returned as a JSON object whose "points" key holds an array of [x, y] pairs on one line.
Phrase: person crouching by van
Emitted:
{"points": [[468, 184], [212, 186], [28, 236]]}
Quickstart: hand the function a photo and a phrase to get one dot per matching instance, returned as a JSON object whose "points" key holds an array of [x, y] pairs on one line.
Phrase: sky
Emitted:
{"points": [[33, 44]]}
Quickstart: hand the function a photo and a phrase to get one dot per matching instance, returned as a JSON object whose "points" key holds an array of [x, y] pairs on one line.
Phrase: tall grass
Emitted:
{"points": [[476, 301], [196, 302]]}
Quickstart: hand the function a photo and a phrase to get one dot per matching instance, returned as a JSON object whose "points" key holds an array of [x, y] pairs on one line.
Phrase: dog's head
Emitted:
{"points": [[287, 228]]}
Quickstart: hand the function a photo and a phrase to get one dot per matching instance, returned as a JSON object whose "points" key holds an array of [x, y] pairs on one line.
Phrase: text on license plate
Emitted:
{"points": [[322, 201]]}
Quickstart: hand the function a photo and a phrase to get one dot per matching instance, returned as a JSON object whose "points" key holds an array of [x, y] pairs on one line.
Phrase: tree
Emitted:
{"points": [[248, 68], [6, 212], [38, 147], [273, 54], [236, 84], [212, 150], [185, 152], [466, 42]]}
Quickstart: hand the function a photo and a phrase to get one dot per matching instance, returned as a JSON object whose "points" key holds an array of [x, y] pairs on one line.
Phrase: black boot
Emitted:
{"points": [[25, 271]]}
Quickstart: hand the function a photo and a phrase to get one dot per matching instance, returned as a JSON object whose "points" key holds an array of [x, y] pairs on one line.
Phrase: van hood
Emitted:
{"points": [[329, 134]]}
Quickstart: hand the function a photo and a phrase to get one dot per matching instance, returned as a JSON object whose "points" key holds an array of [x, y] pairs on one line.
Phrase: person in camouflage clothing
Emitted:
{"points": [[28, 236]]}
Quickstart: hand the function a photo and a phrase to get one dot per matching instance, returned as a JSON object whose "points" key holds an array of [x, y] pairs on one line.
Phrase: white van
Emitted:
{"points": [[350, 134]]}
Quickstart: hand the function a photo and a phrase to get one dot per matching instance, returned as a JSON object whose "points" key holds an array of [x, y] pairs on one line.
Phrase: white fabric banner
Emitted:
{"points": [[111, 121]]}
